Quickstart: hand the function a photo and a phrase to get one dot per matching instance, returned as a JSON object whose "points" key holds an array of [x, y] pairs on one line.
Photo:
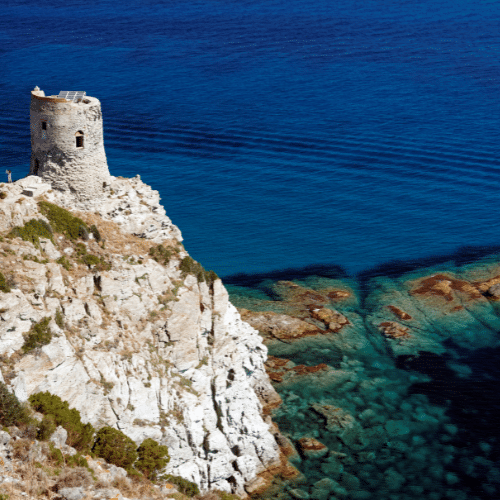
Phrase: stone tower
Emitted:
{"points": [[67, 148]]}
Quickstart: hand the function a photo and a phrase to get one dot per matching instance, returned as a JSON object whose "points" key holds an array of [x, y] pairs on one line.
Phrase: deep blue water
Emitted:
{"points": [[281, 134]]}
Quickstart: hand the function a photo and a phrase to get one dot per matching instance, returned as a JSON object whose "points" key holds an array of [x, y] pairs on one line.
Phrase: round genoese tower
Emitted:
{"points": [[67, 147]]}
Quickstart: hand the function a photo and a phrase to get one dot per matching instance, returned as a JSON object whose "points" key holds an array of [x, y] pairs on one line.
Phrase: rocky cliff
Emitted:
{"points": [[137, 341]]}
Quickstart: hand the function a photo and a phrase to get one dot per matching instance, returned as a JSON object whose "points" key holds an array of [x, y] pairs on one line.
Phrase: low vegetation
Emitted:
{"points": [[32, 231], [90, 260], [64, 262], [183, 485], [161, 254], [47, 427], [80, 435], [4, 286], [190, 266], [59, 319], [38, 335], [115, 447], [12, 412], [143, 464], [152, 458], [63, 221], [95, 232]]}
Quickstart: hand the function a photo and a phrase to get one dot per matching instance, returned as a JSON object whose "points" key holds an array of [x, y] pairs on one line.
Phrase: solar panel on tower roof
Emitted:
{"points": [[72, 95]]}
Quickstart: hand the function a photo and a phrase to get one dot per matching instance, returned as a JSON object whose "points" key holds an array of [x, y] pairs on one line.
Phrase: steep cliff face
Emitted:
{"points": [[140, 343]]}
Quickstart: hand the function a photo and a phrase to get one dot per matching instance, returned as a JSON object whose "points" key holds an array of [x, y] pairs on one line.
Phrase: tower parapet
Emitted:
{"points": [[67, 147]]}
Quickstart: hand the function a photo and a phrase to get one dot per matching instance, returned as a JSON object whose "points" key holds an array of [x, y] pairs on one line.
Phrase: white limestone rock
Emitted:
{"points": [[188, 372], [59, 437], [50, 250]]}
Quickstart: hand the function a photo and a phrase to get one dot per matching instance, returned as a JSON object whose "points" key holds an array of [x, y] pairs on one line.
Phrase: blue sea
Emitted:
{"points": [[345, 135]]}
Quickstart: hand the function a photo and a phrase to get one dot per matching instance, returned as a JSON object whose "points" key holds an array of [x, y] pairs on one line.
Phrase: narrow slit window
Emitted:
{"points": [[79, 139], [44, 125], [37, 166]]}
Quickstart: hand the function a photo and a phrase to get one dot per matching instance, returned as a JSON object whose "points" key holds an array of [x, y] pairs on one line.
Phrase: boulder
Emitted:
{"points": [[73, 493], [311, 447], [59, 437]]}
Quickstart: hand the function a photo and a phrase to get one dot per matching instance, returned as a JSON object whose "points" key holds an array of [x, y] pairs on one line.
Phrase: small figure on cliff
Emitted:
{"points": [[9, 175]]}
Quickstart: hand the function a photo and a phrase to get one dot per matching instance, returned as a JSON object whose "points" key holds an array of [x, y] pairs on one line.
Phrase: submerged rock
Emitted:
{"points": [[336, 418], [311, 447]]}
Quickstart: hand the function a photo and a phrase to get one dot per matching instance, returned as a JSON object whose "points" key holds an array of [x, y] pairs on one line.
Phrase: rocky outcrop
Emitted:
{"points": [[138, 344]]}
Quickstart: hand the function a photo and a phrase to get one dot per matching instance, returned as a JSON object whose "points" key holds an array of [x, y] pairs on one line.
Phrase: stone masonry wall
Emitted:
{"points": [[81, 171]]}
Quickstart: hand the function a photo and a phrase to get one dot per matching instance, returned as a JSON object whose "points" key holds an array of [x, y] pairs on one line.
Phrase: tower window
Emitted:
{"points": [[44, 125], [37, 166], [79, 139]]}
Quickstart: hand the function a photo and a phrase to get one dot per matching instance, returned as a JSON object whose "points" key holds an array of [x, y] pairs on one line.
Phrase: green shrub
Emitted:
{"points": [[224, 495], [63, 261], [4, 287], [95, 232], [93, 260], [115, 447], [12, 412], [63, 221], [38, 335], [190, 266], [59, 319], [46, 428], [183, 485], [79, 434], [34, 258], [161, 254], [81, 249], [32, 231], [152, 458], [55, 454], [3, 195], [4, 496], [77, 460], [83, 232]]}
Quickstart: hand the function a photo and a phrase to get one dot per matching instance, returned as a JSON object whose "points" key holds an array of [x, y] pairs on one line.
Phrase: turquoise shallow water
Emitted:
{"points": [[404, 418]]}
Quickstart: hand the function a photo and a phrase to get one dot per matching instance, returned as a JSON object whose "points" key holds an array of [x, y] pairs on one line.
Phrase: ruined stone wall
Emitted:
{"points": [[54, 153]]}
